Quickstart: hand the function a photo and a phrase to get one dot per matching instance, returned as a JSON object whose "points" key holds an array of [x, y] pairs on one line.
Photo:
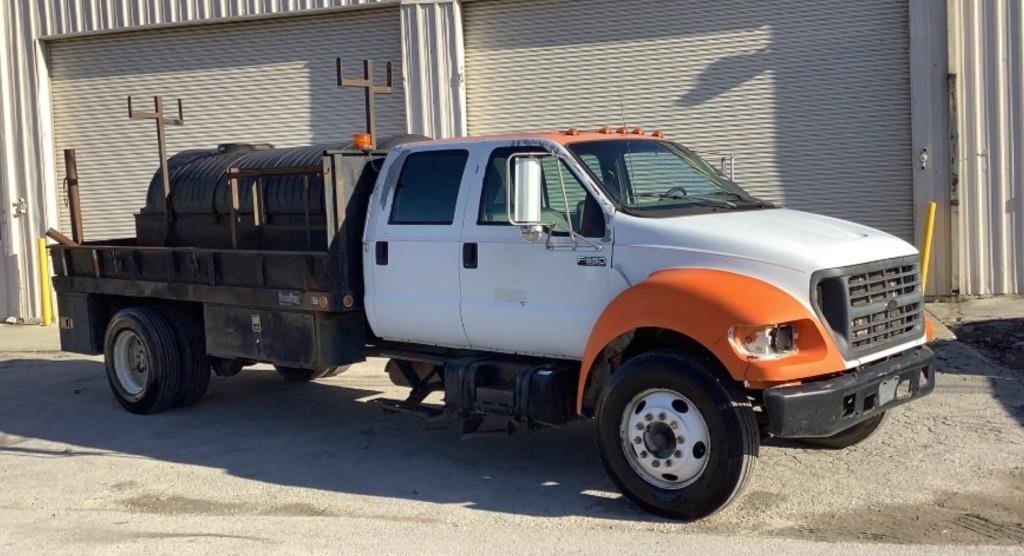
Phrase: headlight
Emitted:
{"points": [[764, 341]]}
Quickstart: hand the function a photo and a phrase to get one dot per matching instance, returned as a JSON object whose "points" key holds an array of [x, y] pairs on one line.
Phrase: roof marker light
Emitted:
{"points": [[362, 141], [572, 131], [638, 131], [605, 130], [657, 133], [621, 131]]}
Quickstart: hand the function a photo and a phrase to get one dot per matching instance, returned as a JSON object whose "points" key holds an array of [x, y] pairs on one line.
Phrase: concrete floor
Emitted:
{"points": [[264, 466]]}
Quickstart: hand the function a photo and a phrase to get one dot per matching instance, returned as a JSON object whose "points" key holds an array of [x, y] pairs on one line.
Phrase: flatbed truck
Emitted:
{"points": [[537, 278]]}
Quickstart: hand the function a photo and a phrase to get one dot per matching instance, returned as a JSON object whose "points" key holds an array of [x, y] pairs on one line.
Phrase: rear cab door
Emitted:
{"points": [[411, 248]]}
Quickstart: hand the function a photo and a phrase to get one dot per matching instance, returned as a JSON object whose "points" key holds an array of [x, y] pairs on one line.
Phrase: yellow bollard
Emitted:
{"points": [[44, 284], [926, 257]]}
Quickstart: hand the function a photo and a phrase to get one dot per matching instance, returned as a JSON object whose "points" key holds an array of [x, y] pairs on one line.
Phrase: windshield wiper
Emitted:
{"points": [[680, 196], [745, 199], [694, 199]]}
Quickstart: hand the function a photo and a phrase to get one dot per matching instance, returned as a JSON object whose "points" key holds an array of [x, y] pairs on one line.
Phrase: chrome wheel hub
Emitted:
{"points": [[665, 438]]}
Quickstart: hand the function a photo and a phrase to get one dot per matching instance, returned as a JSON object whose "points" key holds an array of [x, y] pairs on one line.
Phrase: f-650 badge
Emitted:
{"points": [[591, 261]]}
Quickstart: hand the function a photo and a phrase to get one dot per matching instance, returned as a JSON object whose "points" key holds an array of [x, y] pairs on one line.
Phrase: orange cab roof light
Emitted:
{"points": [[362, 141], [605, 130], [638, 131], [621, 131], [657, 133], [572, 131]]}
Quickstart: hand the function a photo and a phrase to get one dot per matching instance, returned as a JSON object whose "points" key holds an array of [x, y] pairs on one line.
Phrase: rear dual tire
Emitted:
{"points": [[298, 374], [195, 364], [155, 359], [677, 438]]}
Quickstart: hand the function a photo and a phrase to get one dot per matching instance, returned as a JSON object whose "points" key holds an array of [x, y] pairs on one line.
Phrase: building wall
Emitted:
{"points": [[987, 63], [984, 243], [27, 169], [929, 111]]}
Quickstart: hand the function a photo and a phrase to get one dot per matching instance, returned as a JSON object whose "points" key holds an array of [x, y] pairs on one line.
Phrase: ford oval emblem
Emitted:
{"points": [[891, 305]]}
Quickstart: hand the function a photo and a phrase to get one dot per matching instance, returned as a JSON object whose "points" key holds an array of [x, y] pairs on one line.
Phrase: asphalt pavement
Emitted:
{"points": [[265, 466]]}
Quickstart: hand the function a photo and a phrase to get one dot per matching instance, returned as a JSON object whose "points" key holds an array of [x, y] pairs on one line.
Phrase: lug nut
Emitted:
{"points": [[674, 425], [637, 440], [643, 455], [639, 426], [656, 463], [661, 416], [668, 463], [679, 439], [648, 417], [678, 454]]}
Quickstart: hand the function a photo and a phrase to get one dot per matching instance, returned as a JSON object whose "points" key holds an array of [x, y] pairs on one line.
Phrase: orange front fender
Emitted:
{"points": [[703, 305]]}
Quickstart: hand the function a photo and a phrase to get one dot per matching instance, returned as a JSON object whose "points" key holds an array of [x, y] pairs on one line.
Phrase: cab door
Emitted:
{"points": [[540, 297], [413, 251]]}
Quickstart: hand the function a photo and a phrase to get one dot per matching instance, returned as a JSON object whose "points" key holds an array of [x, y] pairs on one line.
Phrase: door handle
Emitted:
{"points": [[470, 254], [381, 253]]}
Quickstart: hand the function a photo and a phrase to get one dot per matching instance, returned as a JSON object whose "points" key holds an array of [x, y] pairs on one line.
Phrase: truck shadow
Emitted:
{"points": [[316, 435], [993, 349]]}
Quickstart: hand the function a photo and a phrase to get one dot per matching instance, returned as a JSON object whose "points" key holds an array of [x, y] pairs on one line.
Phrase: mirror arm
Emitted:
{"points": [[565, 201]]}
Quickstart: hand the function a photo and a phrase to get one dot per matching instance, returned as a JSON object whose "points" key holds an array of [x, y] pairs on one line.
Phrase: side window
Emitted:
{"points": [[493, 198], [428, 188]]}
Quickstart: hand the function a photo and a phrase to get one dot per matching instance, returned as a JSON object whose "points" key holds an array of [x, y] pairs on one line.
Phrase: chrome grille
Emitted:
{"points": [[874, 305]]}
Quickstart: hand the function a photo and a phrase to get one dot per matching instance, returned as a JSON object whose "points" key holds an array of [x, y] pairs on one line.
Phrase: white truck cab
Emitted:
{"points": [[446, 265]]}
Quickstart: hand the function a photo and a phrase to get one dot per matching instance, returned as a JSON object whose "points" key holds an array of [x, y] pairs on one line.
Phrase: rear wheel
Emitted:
{"points": [[142, 362], [677, 440], [851, 436], [195, 364], [298, 374], [334, 371]]}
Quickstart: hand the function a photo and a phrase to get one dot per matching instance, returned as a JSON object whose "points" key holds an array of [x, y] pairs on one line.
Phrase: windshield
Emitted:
{"points": [[660, 178]]}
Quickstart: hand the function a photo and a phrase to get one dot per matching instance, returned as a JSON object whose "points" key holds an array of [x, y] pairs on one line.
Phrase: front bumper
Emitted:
{"points": [[826, 407]]}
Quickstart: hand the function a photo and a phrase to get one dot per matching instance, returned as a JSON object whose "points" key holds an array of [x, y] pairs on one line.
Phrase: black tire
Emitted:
{"points": [[851, 436], [297, 374], [195, 364], [731, 427], [334, 371], [150, 329]]}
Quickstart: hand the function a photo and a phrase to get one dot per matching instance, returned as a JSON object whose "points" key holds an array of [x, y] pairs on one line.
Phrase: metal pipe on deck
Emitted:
{"points": [[74, 200]]}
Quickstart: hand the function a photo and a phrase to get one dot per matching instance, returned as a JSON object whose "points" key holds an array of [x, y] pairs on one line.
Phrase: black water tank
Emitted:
{"points": [[293, 205], [202, 206]]}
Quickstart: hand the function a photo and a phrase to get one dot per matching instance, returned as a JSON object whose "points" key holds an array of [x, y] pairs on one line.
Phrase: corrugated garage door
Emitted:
{"points": [[813, 98], [265, 81]]}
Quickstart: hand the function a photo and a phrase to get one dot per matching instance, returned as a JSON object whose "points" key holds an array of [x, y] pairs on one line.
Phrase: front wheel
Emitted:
{"points": [[676, 438]]}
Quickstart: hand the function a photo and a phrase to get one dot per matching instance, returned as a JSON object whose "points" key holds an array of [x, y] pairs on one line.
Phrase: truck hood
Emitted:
{"points": [[794, 239]]}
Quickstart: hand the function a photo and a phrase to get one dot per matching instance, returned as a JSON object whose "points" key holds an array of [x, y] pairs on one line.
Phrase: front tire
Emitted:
{"points": [[677, 439], [141, 358]]}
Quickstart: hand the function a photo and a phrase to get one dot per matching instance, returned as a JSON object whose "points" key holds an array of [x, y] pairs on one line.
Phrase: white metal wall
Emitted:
{"points": [[27, 167], [813, 97], [432, 61], [987, 58], [930, 129], [268, 81]]}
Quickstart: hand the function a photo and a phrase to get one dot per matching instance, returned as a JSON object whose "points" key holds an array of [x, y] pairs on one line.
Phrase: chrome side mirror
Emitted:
{"points": [[524, 194]]}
